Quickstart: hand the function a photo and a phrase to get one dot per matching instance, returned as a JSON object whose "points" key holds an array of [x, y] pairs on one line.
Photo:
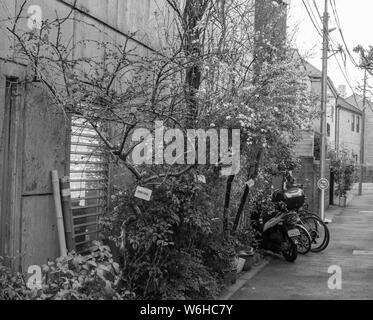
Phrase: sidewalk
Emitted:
{"points": [[307, 277]]}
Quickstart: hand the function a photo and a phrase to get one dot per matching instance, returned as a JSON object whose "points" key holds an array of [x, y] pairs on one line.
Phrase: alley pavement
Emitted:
{"points": [[307, 278]]}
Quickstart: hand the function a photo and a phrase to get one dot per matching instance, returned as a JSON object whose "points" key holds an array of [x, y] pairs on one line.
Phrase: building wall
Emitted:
{"points": [[42, 131], [32, 144], [357, 101], [305, 146], [271, 22], [349, 139], [368, 141], [330, 112], [40, 137]]}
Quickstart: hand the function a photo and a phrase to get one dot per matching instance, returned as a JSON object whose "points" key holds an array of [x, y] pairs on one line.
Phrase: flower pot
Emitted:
{"points": [[342, 201], [240, 262], [248, 256], [257, 258], [249, 262], [230, 276]]}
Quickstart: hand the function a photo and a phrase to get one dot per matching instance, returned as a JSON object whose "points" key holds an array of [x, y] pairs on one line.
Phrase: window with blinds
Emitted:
{"points": [[88, 182]]}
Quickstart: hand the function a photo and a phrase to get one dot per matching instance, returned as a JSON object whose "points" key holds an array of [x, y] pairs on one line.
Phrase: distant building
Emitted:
{"points": [[348, 129], [343, 134], [315, 76], [357, 101]]}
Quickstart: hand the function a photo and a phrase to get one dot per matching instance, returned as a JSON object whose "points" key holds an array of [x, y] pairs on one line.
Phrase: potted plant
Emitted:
{"points": [[344, 175], [230, 273], [248, 255], [227, 256]]}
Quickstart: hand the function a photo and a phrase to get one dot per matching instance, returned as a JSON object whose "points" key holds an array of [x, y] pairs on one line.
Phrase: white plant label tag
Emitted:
{"points": [[250, 183], [143, 193], [201, 178]]}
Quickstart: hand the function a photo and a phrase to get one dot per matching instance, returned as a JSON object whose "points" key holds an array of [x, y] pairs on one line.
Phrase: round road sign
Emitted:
{"points": [[323, 184]]}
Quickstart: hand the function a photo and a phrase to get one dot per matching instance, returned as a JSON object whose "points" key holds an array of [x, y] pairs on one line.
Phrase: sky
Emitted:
{"points": [[356, 21]]}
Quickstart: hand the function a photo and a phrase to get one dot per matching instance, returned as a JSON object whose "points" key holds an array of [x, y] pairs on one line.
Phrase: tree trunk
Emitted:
{"points": [[226, 206], [253, 173], [193, 13]]}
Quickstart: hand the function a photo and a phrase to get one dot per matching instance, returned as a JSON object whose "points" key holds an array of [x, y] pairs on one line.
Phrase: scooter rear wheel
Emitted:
{"points": [[291, 253], [304, 240]]}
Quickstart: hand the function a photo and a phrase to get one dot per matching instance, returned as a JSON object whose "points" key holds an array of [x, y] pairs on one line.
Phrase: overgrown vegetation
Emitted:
{"points": [[211, 73], [94, 276], [344, 175]]}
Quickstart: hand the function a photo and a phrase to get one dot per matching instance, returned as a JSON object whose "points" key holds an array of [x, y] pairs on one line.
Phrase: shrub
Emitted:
{"points": [[167, 244], [94, 276]]}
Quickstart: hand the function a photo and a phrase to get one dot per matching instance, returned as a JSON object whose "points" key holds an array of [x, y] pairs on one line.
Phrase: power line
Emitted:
{"points": [[317, 9], [312, 20], [337, 20], [322, 22], [346, 77]]}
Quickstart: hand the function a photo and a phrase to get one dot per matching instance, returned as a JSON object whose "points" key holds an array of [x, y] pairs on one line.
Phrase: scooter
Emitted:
{"points": [[293, 197], [278, 234]]}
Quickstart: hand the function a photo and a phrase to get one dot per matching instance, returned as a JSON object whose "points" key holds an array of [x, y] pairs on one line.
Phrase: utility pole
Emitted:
{"points": [[324, 95], [362, 137]]}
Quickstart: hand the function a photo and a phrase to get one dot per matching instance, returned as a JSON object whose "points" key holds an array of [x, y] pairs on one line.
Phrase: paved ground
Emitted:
{"points": [[307, 277]]}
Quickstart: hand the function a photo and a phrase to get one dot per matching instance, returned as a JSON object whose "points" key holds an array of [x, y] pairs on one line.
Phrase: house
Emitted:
{"points": [[315, 77], [343, 134], [348, 129], [357, 101]]}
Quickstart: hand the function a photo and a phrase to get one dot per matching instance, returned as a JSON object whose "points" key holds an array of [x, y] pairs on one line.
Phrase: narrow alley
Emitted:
{"points": [[351, 230]]}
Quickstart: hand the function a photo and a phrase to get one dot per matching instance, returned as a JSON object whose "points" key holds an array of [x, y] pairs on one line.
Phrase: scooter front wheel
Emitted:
{"points": [[291, 252]]}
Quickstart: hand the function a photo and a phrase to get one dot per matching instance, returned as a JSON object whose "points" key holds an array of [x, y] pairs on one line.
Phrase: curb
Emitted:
{"points": [[241, 281]]}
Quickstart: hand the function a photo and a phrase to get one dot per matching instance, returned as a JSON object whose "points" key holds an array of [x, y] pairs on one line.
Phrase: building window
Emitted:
{"points": [[89, 182], [353, 123], [358, 124], [328, 129]]}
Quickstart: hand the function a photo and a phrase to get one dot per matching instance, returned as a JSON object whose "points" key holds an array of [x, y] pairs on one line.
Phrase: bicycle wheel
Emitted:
{"points": [[303, 241], [318, 231]]}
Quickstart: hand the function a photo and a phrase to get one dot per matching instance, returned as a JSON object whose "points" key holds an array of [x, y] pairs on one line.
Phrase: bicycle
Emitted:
{"points": [[294, 198], [318, 230]]}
